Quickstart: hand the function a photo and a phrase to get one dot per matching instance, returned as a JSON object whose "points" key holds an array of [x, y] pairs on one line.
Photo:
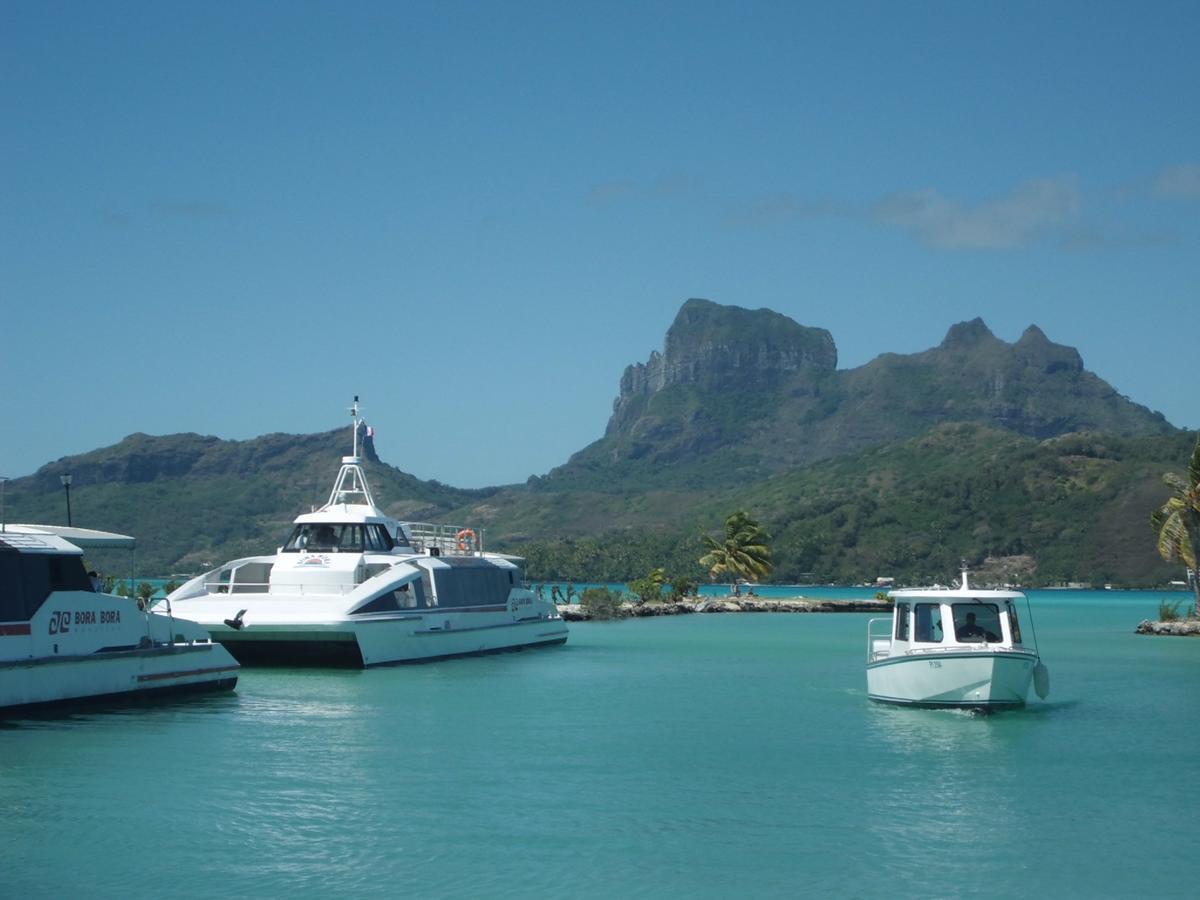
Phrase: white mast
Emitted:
{"points": [[351, 480]]}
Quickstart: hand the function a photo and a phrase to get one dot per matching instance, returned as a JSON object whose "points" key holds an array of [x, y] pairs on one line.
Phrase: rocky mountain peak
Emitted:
{"points": [[1040, 352], [965, 335], [710, 345]]}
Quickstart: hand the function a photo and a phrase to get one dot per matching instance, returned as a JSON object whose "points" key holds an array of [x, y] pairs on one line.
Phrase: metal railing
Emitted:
{"points": [[879, 642], [450, 540]]}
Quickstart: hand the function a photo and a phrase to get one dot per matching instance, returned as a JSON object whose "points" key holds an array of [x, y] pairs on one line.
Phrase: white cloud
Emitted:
{"points": [[1014, 220], [1180, 182]]}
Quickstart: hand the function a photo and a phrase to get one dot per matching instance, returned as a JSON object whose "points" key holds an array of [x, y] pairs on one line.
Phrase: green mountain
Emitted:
{"points": [[975, 448]]}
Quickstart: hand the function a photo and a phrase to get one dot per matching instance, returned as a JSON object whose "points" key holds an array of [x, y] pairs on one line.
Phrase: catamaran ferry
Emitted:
{"points": [[352, 586]]}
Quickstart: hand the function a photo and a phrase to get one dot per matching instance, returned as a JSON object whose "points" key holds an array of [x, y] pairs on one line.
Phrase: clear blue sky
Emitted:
{"points": [[231, 217]]}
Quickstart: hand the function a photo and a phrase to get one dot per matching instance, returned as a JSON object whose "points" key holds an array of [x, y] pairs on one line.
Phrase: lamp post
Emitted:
{"points": [[66, 483]]}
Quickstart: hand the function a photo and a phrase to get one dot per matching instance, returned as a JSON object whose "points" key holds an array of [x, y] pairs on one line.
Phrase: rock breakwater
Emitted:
{"points": [[1182, 627]]}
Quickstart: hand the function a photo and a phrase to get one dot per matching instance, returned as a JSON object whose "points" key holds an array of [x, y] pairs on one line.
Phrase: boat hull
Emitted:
{"points": [[110, 676], [383, 641], [972, 680]]}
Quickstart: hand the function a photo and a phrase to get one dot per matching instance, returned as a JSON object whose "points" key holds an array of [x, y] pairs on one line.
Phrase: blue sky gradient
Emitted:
{"points": [[230, 218]]}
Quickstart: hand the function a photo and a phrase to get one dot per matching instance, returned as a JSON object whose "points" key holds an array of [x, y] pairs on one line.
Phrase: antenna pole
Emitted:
{"points": [[354, 417]]}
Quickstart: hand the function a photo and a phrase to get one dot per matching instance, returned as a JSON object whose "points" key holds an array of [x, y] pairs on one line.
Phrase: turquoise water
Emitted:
{"points": [[700, 756]]}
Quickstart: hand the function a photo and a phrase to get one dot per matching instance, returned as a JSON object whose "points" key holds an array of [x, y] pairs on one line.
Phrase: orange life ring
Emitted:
{"points": [[465, 536]]}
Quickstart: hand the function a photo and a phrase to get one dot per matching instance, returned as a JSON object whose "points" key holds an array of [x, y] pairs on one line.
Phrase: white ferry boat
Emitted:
{"points": [[352, 586], [64, 641], [957, 647]]}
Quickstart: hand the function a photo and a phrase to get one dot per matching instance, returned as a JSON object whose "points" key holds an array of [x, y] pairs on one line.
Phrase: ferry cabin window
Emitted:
{"points": [[1013, 623], [902, 621], [26, 580], [410, 596], [481, 586], [407, 596], [928, 622], [377, 538], [975, 623], [12, 598], [338, 538]]}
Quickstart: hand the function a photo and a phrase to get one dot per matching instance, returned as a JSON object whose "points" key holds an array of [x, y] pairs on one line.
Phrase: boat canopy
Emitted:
{"points": [[86, 538]]}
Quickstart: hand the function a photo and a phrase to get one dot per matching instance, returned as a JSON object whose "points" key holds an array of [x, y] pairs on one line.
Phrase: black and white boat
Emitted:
{"points": [[352, 586], [62, 640]]}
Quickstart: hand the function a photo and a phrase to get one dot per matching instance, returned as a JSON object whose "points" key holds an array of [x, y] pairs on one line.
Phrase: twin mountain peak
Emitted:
{"points": [[754, 392]]}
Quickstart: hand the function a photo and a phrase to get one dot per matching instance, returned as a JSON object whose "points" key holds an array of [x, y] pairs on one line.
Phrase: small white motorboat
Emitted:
{"points": [[64, 641], [956, 647]]}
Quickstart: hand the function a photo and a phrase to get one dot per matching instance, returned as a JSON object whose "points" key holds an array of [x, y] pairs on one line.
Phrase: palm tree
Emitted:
{"points": [[1178, 521], [745, 552]]}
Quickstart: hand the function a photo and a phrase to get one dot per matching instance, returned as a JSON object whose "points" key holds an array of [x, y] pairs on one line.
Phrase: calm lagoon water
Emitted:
{"points": [[699, 756]]}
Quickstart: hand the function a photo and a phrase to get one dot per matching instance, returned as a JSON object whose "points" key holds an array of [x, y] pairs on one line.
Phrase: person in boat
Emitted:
{"points": [[970, 631], [324, 539], [97, 583]]}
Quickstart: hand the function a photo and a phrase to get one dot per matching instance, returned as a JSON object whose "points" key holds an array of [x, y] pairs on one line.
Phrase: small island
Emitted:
{"points": [[579, 612]]}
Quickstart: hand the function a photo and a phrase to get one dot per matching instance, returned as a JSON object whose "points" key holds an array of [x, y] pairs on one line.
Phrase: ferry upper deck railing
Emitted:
{"points": [[448, 540]]}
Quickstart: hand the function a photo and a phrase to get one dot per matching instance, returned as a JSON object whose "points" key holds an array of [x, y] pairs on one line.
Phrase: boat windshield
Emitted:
{"points": [[323, 537], [976, 622]]}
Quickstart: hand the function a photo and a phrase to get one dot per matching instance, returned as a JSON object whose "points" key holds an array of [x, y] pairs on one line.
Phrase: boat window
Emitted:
{"points": [[326, 538], [975, 623], [378, 539], [475, 586], [902, 621], [928, 624], [27, 580], [411, 595], [1013, 624], [12, 600]]}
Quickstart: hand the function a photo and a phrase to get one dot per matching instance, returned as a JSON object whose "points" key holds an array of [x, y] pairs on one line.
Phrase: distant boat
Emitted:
{"points": [[352, 586], [64, 641], [953, 648]]}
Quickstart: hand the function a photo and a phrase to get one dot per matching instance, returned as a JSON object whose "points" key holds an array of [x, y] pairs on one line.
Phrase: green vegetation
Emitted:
{"points": [[1178, 521], [682, 587], [745, 552], [602, 603], [1073, 508], [649, 589], [1169, 612]]}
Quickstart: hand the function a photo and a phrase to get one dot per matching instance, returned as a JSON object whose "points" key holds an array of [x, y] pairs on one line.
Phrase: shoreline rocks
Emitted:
{"points": [[1178, 628], [573, 612]]}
